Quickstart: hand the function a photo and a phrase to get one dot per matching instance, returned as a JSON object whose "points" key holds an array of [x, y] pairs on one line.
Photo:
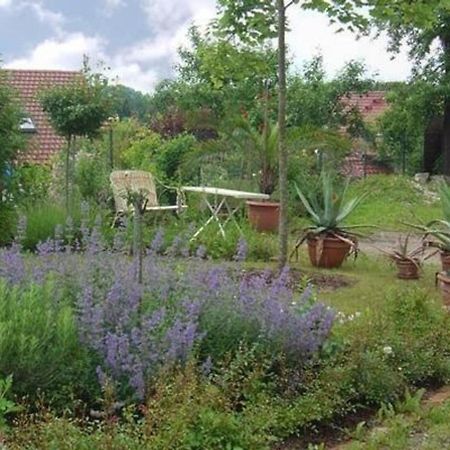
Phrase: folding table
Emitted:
{"points": [[216, 199]]}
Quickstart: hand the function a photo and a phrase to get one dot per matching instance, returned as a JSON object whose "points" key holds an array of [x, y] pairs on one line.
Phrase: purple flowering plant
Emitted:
{"points": [[182, 309]]}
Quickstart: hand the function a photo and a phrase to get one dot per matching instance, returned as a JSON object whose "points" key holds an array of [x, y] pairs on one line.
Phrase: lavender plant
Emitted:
{"points": [[179, 311]]}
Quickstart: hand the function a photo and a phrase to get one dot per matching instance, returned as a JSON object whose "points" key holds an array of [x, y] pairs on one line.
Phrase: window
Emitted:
{"points": [[27, 125]]}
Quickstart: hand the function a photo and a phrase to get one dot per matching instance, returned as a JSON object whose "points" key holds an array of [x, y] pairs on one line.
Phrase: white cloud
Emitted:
{"points": [[5, 3], [135, 76], [61, 54], [311, 32]]}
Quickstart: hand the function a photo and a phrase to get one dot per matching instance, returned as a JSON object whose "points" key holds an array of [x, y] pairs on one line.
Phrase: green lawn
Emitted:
{"points": [[370, 278], [392, 201]]}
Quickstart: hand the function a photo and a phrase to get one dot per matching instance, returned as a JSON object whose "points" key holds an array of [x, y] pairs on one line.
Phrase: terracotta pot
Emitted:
{"points": [[443, 281], [445, 260], [407, 270], [334, 251], [263, 216]]}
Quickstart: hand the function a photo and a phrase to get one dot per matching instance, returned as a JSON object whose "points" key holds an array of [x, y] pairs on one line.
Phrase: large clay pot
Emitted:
{"points": [[445, 260], [264, 216], [407, 269], [443, 281], [334, 251]]}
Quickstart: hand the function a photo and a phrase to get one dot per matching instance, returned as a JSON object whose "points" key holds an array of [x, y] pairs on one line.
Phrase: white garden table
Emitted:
{"points": [[216, 199]]}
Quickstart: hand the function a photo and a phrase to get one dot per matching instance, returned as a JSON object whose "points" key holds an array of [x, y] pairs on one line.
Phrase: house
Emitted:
{"points": [[42, 140], [361, 161]]}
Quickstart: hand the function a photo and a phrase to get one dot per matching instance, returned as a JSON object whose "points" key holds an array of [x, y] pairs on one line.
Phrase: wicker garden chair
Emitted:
{"points": [[124, 182]]}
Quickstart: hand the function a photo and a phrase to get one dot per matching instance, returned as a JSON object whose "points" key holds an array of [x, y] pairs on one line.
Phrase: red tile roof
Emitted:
{"points": [[43, 144], [371, 104]]}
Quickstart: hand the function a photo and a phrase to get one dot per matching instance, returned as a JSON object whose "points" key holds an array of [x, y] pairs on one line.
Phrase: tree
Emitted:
{"points": [[255, 21], [129, 103], [11, 139], [216, 79], [77, 109], [425, 26]]}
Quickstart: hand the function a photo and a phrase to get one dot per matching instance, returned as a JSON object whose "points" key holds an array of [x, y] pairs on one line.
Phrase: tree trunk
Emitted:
{"points": [[446, 128], [137, 235], [67, 175], [111, 148], [282, 150], [265, 177]]}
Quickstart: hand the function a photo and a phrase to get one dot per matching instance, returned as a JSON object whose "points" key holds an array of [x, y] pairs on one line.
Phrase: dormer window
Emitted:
{"points": [[27, 125]]}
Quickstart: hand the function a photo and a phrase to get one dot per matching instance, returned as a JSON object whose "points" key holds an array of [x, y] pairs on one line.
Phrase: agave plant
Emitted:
{"points": [[328, 211], [403, 253], [436, 233]]}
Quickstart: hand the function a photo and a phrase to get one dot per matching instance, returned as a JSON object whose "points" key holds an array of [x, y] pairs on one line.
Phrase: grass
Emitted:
{"points": [[392, 201], [370, 278], [421, 427]]}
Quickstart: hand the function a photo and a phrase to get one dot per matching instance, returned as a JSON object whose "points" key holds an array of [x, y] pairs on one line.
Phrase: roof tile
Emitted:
{"points": [[43, 144]]}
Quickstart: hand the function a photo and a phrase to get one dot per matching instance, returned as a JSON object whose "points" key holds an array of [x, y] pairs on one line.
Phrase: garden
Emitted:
{"points": [[139, 316]]}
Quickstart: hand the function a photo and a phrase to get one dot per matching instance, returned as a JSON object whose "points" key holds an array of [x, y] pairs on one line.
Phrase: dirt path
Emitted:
{"points": [[387, 240]]}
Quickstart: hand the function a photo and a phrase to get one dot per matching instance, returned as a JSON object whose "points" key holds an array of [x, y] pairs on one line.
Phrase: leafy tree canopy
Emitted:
{"points": [[81, 107], [129, 103]]}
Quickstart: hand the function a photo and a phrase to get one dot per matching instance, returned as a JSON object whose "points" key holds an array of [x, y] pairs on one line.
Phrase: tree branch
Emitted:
{"points": [[289, 4]]}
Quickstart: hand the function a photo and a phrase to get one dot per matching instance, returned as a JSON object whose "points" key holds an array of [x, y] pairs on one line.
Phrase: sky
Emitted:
{"points": [[138, 39]]}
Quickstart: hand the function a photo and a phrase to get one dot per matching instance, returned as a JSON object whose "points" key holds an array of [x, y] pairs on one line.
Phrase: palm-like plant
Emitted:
{"points": [[261, 144]]}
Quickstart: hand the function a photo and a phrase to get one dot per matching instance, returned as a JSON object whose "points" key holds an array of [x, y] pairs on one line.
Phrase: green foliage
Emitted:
{"points": [[260, 145], [439, 229], [78, 108], [42, 218], [329, 211], [403, 125], [31, 182], [39, 343], [91, 177], [6, 406], [11, 140], [316, 102], [141, 152], [8, 218], [129, 102], [171, 154]]}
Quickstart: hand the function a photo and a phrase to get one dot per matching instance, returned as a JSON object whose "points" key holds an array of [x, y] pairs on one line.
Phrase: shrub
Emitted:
{"points": [[31, 183], [39, 342], [92, 177], [42, 219]]}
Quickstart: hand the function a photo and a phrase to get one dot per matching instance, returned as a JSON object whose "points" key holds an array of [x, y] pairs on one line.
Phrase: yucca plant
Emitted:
{"points": [[328, 210]]}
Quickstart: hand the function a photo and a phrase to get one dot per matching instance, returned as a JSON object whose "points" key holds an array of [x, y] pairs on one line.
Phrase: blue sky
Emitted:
{"points": [[138, 39]]}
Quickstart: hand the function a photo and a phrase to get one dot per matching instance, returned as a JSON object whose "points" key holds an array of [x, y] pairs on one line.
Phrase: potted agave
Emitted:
{"points": [[437, 232], [329, 240], [408, 262]]}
